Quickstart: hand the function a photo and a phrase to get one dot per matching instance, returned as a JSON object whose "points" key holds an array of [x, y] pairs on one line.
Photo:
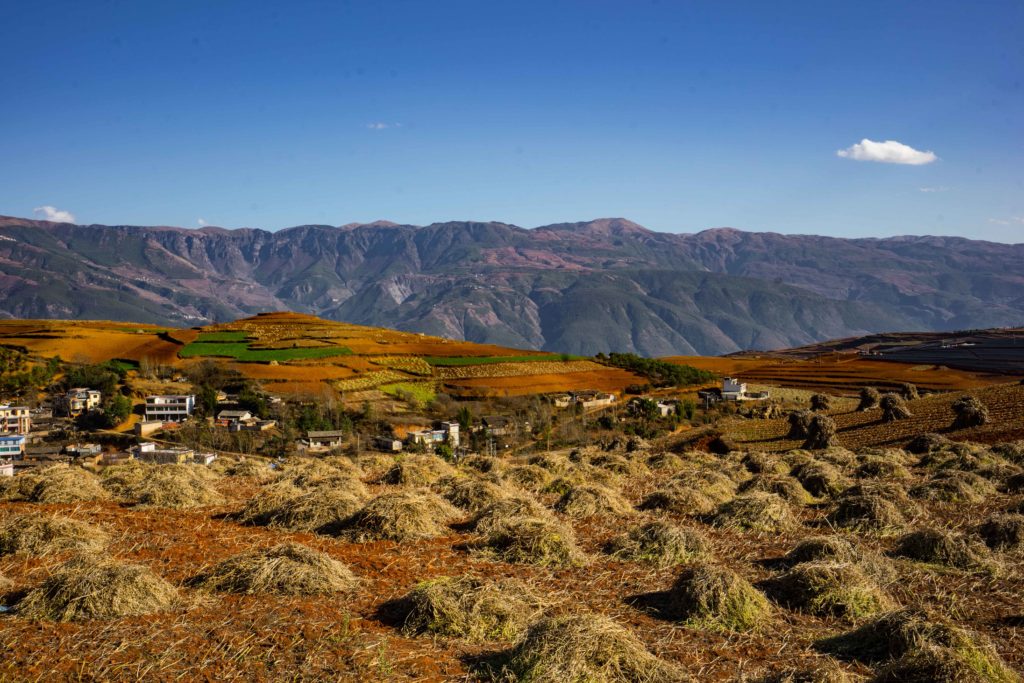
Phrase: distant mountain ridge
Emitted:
{"points": [[601, 285]]}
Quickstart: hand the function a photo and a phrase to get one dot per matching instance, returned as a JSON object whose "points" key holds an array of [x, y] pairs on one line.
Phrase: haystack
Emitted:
{"points": [[665, 462], [532, 540], [122, 479], [679, 499], [824, 673], [470, 608], [784, 486], [662, 544], [55, 484], [93, 587], [285, 569], [401, 516], [497, 513], [552, 462], [955, 486], [311, 472], [932, 664], [471, 493], [894, 408], [418, 470], [1003, 531], [757, 462], [821, 479], [828, 588], [755, 511], [799, 424], [867, 513], [715, 485], [582, 648], [713, 597], [970, 412], [528, 477], [253, 468], [935, 546], [909, 392], [821, 433], [42, 534], [876, 467], [289, 507], [841, 550], [590, 500], [821, 403], [927, 443], [869, 398], [485, 464], [176, 486]]}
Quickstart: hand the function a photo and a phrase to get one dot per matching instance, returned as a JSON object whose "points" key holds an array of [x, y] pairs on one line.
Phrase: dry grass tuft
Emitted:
{"points": [[418, 470], [662, 544], [285, 569], [41, 534], [1003, 532], [401, 516], [54, 484], [713, 597], [93, 587], [470, 608], [589, 500], [757, 511], [588, 648], [828, 589], [933, 546], [532, 540]]}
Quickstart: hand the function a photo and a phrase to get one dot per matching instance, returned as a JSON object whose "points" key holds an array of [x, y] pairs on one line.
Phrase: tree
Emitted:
{"points": [[118, 410], [444, 451], [970, 412], [869, 398], [465, 419]]}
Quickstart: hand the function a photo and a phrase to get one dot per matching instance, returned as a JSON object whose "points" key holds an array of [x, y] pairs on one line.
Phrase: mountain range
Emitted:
{"points": [[601, 285]]}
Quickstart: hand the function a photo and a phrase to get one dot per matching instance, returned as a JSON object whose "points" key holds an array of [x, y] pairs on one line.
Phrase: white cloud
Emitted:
{"points": [[202, 222], [1012, 220], [382, 125], [888, 152], [934, 189], [52, 213]]}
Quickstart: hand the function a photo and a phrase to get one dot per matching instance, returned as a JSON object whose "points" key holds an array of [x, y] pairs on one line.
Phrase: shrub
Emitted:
{"points": [[662, 544], [591, 500], [869, 398], [285, 569], [532, 540], [755, 511], [401, 516], [581, 648], [828, 589], [470, 608], [41, 534], [970, 412], [713, 597], [821, 433], [91, 587], [893, 408], [933, 546], [821, 403], [1003, 532]]}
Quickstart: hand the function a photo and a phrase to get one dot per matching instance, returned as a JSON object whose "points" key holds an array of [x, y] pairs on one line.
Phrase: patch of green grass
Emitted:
{"points": [[422, 392], [227, 336], [484, 360], [240, 351]]}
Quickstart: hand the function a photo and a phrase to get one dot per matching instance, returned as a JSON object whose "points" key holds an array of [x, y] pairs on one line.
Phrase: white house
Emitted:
{"points": [[734, 390], [6, 468], [170, 408], [447, 432]]}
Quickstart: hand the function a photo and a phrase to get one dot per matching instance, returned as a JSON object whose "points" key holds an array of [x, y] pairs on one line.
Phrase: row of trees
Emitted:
{"points": [[660, 373]]}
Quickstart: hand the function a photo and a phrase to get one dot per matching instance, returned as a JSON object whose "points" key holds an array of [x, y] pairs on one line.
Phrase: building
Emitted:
{"points": [[12, 446], [497, 425], [388, 444], [228, 418], [170, 408], [147, 427], [325, 440], [734, 390], [15, 420], [77, 402], [6, 468], [149, 452], [586, 399], [83, 450], [445, 433]]}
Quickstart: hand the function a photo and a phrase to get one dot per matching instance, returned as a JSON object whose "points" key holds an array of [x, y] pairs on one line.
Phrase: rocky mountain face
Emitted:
{"points": [[604, 285]]}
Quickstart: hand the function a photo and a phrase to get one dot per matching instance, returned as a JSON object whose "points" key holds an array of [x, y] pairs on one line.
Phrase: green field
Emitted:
{"points": [[228, 336], [240, 351], [484, 360], [422, 392]]}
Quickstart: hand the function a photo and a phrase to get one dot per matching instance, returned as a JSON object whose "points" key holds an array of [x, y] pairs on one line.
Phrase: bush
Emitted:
{"points": [[285, 569], [90, 587], [828, 589], [713, 597], [662, 544], [40, 534]]}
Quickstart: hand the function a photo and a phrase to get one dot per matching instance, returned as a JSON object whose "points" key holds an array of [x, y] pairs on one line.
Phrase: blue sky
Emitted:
{"points": [[678, 115]]}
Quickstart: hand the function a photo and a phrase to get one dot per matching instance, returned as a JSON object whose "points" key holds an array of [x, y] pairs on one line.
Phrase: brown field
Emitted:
{"points": [[932, 413], [606, 379]]}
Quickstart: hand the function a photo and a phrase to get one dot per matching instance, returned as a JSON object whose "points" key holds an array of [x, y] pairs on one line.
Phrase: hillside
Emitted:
{"points": [[604, 285]]}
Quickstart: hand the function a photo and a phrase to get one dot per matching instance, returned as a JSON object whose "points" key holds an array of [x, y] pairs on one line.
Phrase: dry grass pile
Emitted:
{"points": [[54, 484], [825, 673], [1011, 450], [899, 638], [970, 412], [821, 433], [784, 486], [869, 398], [679, 499], [713, 597], [665, 462], [715, 485], [877, 467], [531, 540], [662, 544], [757, 511], [528, 477], [289, 507], [401, 516], [589, 500], [757, 462], [418, 470], [619, 465], [42, 534], [894, 408], [285, 569], [955, 486], [1003, 531], [92, 587], [799, 424], [495, 514], [552, 462], [472, 493], [305, 472], [470, 608], [838, 549], [260, 470], [928, 442], [825, 588], [945, 548], [821, 479], [176, 486], [821, 403], [867, 513], [123, 478], [584, 648], [484, 464]]}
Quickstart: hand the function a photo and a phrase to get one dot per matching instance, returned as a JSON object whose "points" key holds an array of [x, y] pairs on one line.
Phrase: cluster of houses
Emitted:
{"points": [[15, 424], [586, 399]]}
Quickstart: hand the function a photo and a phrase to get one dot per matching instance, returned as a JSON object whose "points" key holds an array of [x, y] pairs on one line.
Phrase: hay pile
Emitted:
{"points": [[784, 486], [123, 478], [928, 442], [497, 513], [894, 408], [619, 465], [54, 484], [838, 549], [288, 507], [401, 516], [93, 587], [955, 486], [867, 513], [970, 412], [821, 433], [909, 391], [41, 534], [588, 500], [531, 540], [821, 479], [679, 499], [472, 493], [755, 511], [799, 424], [900, 637], [253, 468], [876, 467], [528, 477], [665, 462], [484, 464], [715, 485], [1003, 531], [821, 403], [176, 486], [827, 588], [305, 472], [662, 544], [552, 462], [418, 470], [285, 569], [869, 398], [945, 548], [470, 608], [757, 462], [582, 648], [713, 597]]}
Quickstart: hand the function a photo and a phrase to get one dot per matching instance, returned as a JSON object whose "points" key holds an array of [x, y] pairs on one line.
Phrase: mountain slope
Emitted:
{"points": [[602, 285]]}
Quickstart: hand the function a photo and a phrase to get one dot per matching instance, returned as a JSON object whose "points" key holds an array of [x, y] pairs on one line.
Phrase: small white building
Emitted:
{"points": [[734, 390], [149, 452], [447, 432], [324, 440], [6, 468], [176, 408]]}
